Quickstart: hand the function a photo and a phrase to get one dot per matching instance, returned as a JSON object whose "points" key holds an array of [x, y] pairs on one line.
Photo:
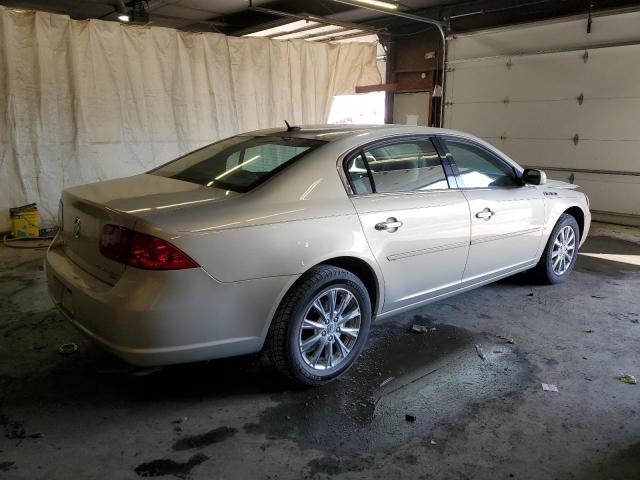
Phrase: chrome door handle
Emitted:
{"points": [[391, 225], [485, 214]]}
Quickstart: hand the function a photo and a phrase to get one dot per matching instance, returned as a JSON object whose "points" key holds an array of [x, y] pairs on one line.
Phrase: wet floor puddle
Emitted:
{"points": [[403, 385]]}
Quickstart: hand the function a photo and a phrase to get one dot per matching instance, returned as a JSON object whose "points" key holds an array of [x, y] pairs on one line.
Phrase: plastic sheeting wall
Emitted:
{"points": [[92, 100]]}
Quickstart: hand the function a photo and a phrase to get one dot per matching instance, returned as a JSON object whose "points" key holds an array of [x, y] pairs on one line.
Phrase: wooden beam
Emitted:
{"points": [[383, 87]]}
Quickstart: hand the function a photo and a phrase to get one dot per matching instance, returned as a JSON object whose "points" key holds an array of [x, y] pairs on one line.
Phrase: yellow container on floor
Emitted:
{"points": [[25, 221]]}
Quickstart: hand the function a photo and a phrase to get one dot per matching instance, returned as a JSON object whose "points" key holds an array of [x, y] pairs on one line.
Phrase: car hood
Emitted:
{"points": [[560, 184], [146, 193]]}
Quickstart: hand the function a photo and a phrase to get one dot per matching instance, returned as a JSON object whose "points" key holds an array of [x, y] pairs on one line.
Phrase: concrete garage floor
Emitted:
{"points": [[88, 416]]}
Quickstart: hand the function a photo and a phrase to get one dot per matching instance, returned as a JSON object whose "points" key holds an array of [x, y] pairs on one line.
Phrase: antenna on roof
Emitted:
{"points": [[291, 128]]}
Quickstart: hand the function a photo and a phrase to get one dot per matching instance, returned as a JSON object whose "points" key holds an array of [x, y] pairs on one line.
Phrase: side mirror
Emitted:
{"points": [[534, 177]]}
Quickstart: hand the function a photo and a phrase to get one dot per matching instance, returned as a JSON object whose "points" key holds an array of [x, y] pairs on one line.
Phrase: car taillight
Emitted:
{"points": [[141, 250]]}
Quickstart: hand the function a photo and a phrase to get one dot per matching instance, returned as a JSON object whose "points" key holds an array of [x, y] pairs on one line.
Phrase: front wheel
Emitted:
{"points": [[560, 253], [321, 326]]}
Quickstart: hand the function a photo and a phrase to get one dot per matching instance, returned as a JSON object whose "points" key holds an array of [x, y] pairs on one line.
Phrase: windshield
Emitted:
{"points": [[238, 163]]}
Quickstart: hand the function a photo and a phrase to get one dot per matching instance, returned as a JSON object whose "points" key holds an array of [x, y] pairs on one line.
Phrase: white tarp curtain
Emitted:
{"points": [[82, 101]]}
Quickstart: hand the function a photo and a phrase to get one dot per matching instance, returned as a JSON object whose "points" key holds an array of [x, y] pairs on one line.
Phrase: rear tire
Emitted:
{"points": [[560, 252], [321, 326]]}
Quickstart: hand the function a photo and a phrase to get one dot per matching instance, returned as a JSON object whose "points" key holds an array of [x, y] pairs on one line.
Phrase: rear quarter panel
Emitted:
{"points": [[292, 222]]}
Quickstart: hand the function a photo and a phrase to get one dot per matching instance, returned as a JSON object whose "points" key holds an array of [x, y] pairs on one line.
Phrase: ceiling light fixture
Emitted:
{"points": [[379, 3], [123, 12]]}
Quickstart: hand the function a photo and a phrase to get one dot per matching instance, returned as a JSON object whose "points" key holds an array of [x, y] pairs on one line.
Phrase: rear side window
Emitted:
{"points": [[359, 175], [238, 163], [479, 168], [412, 165]]}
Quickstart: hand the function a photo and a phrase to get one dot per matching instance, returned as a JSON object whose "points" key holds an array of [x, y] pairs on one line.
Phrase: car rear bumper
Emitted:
{"points": [[151, 318]]}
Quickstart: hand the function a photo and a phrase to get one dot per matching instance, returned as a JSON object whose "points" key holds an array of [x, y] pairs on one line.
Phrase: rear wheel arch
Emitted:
{"points": [[361, 269]]}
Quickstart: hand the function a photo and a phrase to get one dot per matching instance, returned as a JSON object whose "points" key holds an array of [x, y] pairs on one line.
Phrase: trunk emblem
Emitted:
{"points": [[76, 227]]}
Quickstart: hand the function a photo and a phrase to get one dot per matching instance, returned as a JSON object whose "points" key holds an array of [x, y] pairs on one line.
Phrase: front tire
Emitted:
{"points": [[321, 326], [560, 253]]}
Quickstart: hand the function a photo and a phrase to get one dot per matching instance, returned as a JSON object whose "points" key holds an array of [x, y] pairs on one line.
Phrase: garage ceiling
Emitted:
{"points": [[234, 17]]}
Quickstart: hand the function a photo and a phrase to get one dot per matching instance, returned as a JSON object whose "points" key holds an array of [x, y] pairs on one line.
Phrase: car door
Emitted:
{"points": [[507, 217], [417, 227]]}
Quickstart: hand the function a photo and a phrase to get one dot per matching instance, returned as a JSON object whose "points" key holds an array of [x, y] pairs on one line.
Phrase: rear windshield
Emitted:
{"points": [[238, 163]]}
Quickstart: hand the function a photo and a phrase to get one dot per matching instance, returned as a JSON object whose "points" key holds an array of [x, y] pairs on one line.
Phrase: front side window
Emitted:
{"points": [[238, 163], [479, 168], [408, 166]]}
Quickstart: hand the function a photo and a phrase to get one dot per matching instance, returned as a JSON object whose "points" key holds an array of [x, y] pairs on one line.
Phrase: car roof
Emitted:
{"points": [[349, 136], [331, 133]]}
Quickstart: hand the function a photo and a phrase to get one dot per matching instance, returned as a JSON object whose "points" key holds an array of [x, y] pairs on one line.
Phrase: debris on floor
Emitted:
{"points": [[588, 331], [433, 442], [549, 387], [410, 418], [506, 339], [632, 316], [630, 379], [6, 466], [415, 328], [387, 381], [480, 352], [16, 431], [166, 466], [68, 348]]}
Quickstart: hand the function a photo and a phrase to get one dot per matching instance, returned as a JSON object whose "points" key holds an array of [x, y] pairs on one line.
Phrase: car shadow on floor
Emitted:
{"points": [[600, 255], [400, 373], [95, 376]]}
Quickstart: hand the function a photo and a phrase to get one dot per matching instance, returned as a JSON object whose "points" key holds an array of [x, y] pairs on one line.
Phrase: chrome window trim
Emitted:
{"points": [[398, 194]]}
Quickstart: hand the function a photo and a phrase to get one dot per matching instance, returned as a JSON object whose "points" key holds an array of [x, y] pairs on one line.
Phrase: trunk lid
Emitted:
{"points": [[87, 208]]}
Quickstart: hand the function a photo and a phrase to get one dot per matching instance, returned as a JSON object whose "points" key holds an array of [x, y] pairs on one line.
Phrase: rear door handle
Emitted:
{"points": [[391, 225], [485, 214]]}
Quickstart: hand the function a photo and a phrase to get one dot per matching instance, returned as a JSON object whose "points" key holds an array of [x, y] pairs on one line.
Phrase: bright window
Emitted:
{"points": [[362, 108]]}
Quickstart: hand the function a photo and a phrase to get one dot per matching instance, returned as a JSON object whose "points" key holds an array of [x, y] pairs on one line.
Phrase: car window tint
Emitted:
{"points": [[358, 175], [238, 163], [267, 157], [478, 168], [406, 166]]}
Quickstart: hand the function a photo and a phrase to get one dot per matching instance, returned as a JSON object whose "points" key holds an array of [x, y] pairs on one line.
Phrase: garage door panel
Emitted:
{"points": [[588, 155], [563, 34], [607, 192], [527, 104], [493, 80], [552, 76], [551, 120]]}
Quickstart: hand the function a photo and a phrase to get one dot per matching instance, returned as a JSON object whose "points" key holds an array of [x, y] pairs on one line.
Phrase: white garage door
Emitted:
{"points": [[555, 97]]}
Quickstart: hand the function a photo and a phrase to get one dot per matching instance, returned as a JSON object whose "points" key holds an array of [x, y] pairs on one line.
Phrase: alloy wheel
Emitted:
{"points": [[564, 248], [330, 329]]}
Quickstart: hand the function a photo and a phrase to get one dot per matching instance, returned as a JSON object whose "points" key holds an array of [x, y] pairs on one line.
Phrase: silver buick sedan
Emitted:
{"points": [[295, 240]]}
